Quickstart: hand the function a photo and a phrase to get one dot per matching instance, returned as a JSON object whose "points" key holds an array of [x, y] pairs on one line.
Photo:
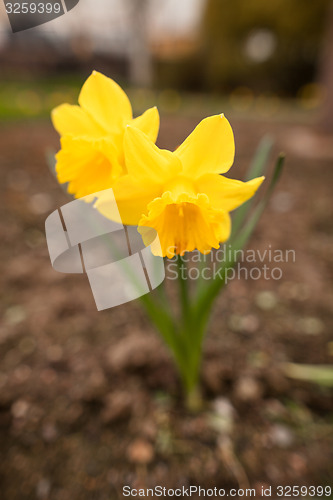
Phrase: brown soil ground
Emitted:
{"points": [[90, 401]]}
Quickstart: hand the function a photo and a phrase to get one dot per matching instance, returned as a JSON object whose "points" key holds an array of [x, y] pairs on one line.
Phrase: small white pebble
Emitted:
{"points": [[40, 203]]}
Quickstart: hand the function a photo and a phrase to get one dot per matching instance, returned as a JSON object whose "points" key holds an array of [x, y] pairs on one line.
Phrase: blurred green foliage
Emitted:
{"points": [[35, 98], [317, 374], [267, 46]]}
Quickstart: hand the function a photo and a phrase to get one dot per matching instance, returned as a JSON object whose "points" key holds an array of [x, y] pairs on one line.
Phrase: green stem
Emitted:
{"points": [[183, 339], [184, 292], [193, 401]]}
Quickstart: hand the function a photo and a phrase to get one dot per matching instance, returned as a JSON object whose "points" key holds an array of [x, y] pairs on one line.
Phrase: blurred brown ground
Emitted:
{"points": [[83, 409]]}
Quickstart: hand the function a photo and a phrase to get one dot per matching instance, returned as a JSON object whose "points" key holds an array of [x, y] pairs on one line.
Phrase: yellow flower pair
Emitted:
{"points": [[180, 194]]}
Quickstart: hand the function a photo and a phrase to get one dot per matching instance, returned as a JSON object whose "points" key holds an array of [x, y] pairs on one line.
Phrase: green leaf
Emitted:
{"points": [[51, 161], [322, 375], [245, 234], [207, 297], [257, 168]]}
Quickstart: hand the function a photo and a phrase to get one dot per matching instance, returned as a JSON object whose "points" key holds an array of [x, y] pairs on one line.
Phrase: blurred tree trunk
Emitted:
{"points": [[326, 75], [140, 60]]}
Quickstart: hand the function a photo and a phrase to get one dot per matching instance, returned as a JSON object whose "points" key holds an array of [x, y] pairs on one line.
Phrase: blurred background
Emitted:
{"points": [[90, 402], [253, 55]]}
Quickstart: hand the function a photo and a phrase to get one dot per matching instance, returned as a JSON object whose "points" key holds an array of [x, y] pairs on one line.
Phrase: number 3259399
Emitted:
{"points": [[33, 8]]}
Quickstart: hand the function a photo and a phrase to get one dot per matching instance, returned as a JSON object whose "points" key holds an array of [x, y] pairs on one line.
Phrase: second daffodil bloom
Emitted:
{"points": [[92, 155], [181, 194]]}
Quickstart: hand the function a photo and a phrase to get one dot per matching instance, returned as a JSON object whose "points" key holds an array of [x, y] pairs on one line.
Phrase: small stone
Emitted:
{"points": [[250, 323], [248, 389], [244, 324], [15, 315], [140, 452], [266, 300], [20, 408], [311, 326], [223, 417], [43, 488], [40, 203], [281, 436], [224, 408]]}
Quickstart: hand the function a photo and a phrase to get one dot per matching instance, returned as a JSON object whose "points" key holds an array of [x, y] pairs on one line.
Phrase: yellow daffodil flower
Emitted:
{"points": [[181, 194], [92, 154]]}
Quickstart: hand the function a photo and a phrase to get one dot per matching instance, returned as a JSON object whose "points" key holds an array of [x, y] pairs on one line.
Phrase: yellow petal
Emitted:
{"points": [[106, 102], [148, 123], [187, 225], [72, 120], [132, 198], [223, 227], [210, 148], [87, 165], [145, 161], [227, 194]]}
